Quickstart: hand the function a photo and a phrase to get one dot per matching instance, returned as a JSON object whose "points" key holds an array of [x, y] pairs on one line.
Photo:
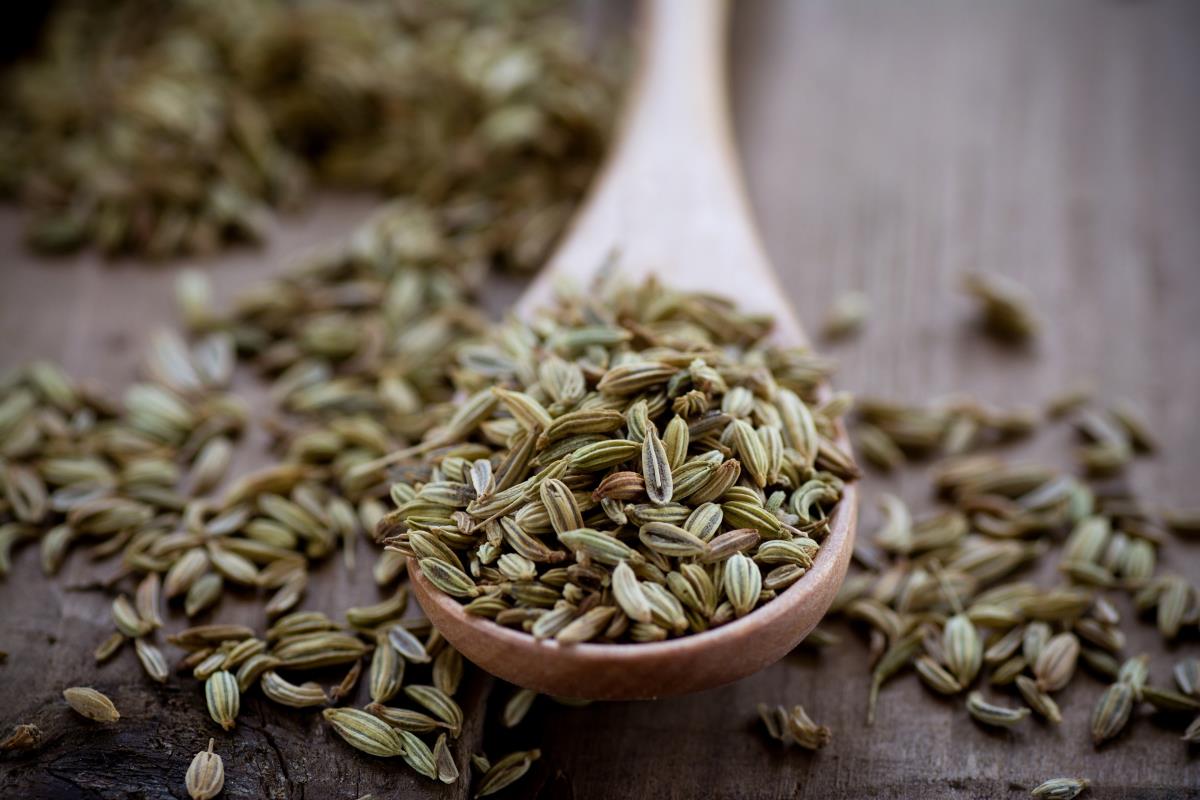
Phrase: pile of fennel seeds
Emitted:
{"points": [[159, 128], [627, 469], [350, 344]]}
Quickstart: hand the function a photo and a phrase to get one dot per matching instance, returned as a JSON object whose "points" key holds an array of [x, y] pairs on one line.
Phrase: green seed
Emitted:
{"points": [[224, 698]]}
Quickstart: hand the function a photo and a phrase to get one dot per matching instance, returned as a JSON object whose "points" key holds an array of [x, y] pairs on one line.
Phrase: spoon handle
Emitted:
{"points": [[670, 200]]}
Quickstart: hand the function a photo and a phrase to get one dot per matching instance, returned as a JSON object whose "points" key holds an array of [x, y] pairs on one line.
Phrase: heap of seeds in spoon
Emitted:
{"points": [[626, 469]]}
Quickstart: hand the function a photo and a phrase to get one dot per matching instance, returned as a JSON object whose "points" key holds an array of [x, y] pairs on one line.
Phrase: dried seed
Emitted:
{"points": [[1061, 788], [127, 620], [656, 469], [370, 616], [406, 719], [1036, 636], [91, 704], [109, 647], [1004, 307], [963, 648], [407, 645], [439, 703], [891, 662], [205, 775], [934, 676], [152, 660], [845, 316], [252, 668], [224, 698], [1134, 673], [586, 626], [448, 579], [204, 593], [1187, 676], [1172, 605], [387, 672], [286, 693], [1038, 700], [25, 736], [505, 772], [365, 732], [1168, 700], [629, 595], [742, 583], [518, 706], [1112, 711], [671, 540], [147, 600], [1007, 671], [1055, 663], [418, 755], [994, 715], [447, 770]]}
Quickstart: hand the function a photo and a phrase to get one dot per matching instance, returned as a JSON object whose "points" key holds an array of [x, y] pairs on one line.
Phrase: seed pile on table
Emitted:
{"points": [[937, 593], [161, 128], [629, 469], [349, 344], [352, 346], [355, 345]]}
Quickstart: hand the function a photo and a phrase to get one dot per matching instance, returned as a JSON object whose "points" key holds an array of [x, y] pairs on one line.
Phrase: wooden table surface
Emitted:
{"points": [[888, 147]]}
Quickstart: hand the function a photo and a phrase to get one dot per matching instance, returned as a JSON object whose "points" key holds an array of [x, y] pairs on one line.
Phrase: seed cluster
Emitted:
{"points": [[164, 128], [64, 483], [351, 345], [347, 343], [626, 470], [938, 593]]}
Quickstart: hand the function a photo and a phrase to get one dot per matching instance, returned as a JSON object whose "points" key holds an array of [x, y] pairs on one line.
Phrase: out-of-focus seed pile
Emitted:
{"points": [[631, 466], [161, 128]]}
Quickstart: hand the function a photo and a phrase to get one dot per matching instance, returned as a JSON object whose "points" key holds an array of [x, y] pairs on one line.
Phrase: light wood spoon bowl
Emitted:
{"points": [[670, 202]]}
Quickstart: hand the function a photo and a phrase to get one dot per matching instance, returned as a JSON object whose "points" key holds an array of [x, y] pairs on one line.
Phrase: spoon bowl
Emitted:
{"points": [[670, 202], [656, 669]]}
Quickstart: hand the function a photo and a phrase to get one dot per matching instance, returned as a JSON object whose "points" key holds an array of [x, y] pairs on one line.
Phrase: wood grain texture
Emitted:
{"points": [[887, 147], [671, 200]]}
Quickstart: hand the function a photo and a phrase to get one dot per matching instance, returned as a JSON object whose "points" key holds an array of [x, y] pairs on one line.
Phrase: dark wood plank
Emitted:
{"points": [[888, 146]]}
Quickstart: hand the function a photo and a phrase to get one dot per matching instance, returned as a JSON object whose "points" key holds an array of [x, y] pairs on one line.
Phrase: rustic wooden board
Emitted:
{"points": [[888, 146]]}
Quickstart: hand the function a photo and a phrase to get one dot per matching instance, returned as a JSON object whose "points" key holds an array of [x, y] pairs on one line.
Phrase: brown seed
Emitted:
{"points": [[26, 736], [206, 774], [91, 704]]}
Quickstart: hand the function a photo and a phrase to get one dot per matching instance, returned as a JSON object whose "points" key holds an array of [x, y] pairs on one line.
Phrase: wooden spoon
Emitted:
{"points": [[670, 202]]}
